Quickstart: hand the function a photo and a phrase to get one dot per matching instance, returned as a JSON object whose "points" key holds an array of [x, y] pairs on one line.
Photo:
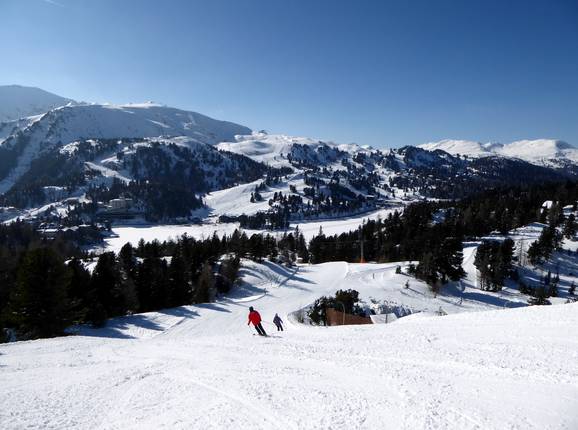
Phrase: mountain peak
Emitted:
{"points": [[17, 101], [540, 149], [536, 151], [456, 146]]}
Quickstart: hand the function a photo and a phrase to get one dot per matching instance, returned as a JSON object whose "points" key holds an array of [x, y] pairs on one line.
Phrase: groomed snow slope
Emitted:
{"points": [[201, 367], [270, 149], [273, 149]]}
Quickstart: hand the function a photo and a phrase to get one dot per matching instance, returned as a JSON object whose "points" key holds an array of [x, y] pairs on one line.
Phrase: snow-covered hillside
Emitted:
{"points": [[544, 152], [461, 147], [260, 180], [202, 367], [274, 149], [107, 121], [19, 102], [180, 167], [142, 120], [270, 149], [541, 151], [57, 128]]}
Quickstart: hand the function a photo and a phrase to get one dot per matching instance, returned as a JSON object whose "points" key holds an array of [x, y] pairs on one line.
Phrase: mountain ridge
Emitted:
{"points": [[23, 141], [548, 152], [154, 153], [18, 101]]}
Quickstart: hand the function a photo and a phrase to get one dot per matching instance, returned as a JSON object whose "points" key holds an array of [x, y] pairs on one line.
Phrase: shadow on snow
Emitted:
{"points": [[120, 327]]}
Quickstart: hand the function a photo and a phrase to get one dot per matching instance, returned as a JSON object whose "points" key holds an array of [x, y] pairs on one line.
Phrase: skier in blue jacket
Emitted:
{"points": [[278, 322]]}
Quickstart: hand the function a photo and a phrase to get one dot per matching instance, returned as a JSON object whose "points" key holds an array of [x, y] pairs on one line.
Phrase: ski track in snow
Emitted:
{"points": [[202, 367]]}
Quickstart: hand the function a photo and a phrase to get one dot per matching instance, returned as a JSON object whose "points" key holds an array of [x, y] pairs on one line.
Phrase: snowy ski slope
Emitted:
{"points": [[202, 367], [273, 149]]}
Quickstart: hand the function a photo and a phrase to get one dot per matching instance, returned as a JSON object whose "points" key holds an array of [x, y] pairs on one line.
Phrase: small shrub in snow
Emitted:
{"points": [[539, 297], [344, 301]]}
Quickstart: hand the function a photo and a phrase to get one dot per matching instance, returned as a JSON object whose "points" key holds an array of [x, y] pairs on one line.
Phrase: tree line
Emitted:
{"points": [[46, 285], [432, 233]]}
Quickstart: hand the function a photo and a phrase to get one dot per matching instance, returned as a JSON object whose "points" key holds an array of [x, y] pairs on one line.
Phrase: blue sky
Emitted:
{"points": [[384, 73]]}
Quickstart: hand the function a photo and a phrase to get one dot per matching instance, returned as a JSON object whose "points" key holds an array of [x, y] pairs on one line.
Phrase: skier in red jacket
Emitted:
{"points": [[255, 318]]}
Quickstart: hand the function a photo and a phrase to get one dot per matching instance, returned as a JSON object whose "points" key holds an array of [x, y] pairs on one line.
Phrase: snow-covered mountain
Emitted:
{"points": [[26, 140], [66, 124], [20, 102], [150, 152], [275, 179], [461, 147], [164, 177], [276, 149], [332, 180], [543, 152]]}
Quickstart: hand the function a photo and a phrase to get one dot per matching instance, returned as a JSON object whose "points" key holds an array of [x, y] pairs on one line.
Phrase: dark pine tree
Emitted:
{"points": [[205, 291], [39, 304], [570, 226], [426, 270], [80, 293], [115, 293], [179, 284], [152, 284], [302, 251]]}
